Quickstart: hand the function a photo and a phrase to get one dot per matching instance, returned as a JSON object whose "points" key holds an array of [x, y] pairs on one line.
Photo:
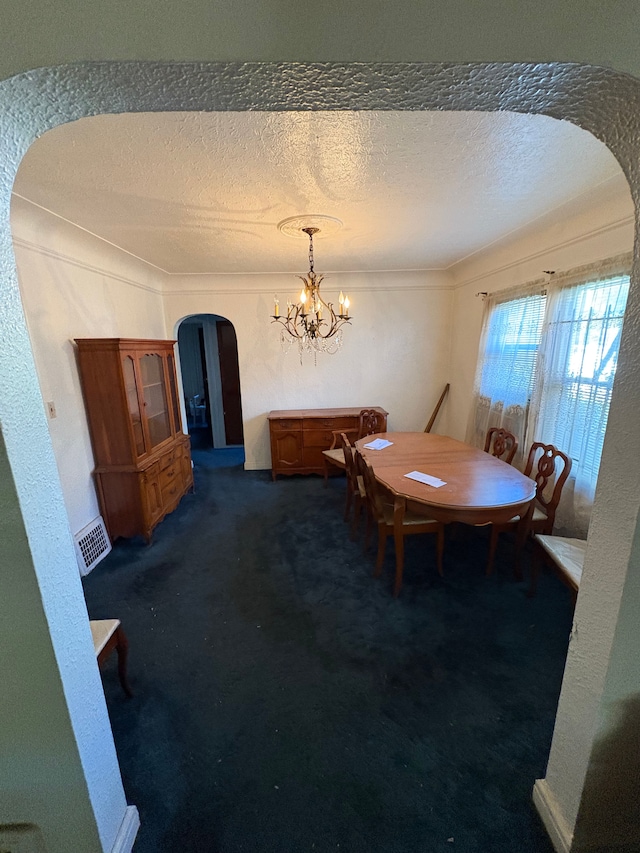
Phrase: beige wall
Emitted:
{"points": [[395, 354], [74, 285]]}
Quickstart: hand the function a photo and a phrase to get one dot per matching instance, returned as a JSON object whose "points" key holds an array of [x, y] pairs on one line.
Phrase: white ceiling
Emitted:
{"points": [[204, 192]]}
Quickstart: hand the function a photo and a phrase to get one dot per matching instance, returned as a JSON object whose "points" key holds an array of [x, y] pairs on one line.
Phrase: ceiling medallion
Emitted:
{"points": [[311, 323], [293, 226]]}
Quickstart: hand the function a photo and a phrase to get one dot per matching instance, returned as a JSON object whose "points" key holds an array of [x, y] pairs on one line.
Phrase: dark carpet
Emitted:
{"points": [[284, 701]]}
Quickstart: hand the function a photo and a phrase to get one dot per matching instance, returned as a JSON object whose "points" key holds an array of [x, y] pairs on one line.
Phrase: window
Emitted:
{"points": [[578, 364], [512, 342], [546, 371]]}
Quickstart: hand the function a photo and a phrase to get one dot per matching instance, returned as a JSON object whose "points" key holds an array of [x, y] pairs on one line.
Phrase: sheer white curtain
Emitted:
{"points": [[575, 370], [509, 346]]}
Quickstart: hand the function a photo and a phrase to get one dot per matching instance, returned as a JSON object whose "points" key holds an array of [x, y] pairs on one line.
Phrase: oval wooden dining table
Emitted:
{"points": [[478, 488]]}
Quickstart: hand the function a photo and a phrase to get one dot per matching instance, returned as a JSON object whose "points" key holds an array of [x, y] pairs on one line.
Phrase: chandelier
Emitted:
{"points": [[312, 323]]}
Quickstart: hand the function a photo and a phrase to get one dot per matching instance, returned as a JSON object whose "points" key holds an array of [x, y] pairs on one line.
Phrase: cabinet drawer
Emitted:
{"points": [[331, 423], [151, 473], [167, 459], [174, 472], [286, 424], [171, 493], [318, 438]]}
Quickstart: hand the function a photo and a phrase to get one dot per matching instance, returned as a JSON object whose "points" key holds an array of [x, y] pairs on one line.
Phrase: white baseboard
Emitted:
{"points": [[251, 465], [551, 816], [128, 830]]}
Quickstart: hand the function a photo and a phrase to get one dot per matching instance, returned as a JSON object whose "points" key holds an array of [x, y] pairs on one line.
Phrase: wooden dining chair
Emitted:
{"points": [[356, 494], [501, 443], [552, 467], [382, 511], [370, 422]]}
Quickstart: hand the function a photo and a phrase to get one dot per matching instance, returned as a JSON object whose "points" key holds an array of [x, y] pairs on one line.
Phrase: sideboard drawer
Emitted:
{"points": [[330, 423], [286, 424]]}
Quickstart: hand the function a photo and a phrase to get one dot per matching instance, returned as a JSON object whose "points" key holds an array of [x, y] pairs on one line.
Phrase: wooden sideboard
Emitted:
{"points": [[298, 436]]}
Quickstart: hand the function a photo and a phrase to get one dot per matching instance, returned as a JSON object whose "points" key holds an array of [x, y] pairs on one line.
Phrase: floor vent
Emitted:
{"points": [[92, 545]]}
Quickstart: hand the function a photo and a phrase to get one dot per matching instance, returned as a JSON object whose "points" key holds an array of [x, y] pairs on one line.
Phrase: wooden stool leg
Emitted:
{"points": [[122, 650]]}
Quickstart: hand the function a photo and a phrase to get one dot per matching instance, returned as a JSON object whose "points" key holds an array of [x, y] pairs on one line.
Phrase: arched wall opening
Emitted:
{"points": [[208, 349], [598, 100]]}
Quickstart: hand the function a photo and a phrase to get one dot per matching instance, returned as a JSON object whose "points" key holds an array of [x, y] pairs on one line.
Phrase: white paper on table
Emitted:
{"points": [[378, 444], [426, 478]]}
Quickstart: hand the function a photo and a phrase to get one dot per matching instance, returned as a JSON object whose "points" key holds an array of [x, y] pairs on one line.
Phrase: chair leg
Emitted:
{"points": [[535, 572], [399, 509], [382, 539], [122, 650], [347, 507], [367, 532], [325, 467], [357, 509], [521, 535], [397, 586]]}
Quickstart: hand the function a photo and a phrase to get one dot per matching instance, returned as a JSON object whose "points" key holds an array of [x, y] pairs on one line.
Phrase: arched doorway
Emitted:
{"points": [[37, 545], [208, 350]]}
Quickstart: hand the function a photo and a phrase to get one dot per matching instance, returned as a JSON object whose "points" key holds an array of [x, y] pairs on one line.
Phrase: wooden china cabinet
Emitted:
{"points": [[143, 458]]}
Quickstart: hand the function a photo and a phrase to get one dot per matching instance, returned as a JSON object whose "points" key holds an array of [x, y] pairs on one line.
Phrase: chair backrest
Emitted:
{"points": [[371, 422], [374, 498], [501, 443], [547, 462], [349, 461]]}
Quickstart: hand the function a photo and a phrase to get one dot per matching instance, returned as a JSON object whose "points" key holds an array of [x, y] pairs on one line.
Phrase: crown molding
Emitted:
{"points": [[75, 262], [572, 241]]}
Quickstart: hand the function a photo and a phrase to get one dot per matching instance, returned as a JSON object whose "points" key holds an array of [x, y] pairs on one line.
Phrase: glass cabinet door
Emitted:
{"points": [[155, 398], [133, 403]]}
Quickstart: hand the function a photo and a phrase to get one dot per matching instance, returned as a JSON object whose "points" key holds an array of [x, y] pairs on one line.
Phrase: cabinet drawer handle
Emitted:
{"points": [[171, 472]]}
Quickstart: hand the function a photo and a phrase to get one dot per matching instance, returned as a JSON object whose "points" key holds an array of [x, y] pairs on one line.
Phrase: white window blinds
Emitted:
{"points": [[512, 341], [578, 359]]}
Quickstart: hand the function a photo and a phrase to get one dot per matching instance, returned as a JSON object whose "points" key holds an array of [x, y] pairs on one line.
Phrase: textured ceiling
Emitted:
{"points": [[204, 192]]}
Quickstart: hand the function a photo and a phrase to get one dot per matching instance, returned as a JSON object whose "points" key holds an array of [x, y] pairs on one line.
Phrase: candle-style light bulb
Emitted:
{"points": [[346, 306], [276, 306], [303, 300], [341, 301]]}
